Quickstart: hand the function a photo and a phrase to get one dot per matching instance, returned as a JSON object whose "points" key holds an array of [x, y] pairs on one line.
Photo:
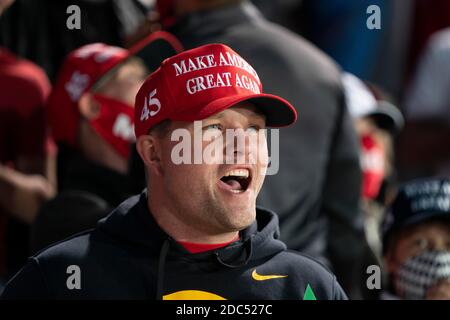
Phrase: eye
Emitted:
{"points": [[215, 126], [254, 129], [421, 243], [213, 130]]}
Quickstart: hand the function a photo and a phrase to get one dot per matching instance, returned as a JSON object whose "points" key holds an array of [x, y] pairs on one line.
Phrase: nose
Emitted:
{"points": [[240, 146], [440, 246]]}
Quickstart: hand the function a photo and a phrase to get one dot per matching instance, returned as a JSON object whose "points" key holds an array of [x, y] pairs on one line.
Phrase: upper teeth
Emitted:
{"points": [[238, 173]]}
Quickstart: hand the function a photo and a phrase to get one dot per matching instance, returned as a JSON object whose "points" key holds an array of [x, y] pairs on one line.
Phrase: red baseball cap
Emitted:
{"points": [[198, 83], [81, 69], [86, 66]]}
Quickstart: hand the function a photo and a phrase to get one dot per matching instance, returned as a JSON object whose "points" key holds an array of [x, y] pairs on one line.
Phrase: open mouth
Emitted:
{"points": [[237, 180]]}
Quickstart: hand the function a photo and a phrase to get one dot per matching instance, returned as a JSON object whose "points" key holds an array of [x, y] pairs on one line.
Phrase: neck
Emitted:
{"points": [[171, 221]]}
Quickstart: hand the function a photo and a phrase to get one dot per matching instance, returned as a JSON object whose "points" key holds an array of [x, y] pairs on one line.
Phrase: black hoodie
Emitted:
{"points": [[129, 257]]}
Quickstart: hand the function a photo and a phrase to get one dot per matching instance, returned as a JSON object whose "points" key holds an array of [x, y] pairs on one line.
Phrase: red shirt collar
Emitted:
{"points": [[203, 247]]}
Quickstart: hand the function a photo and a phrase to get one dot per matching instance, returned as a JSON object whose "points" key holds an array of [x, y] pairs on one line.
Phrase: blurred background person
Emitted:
{"points": [[386, 56], [27, 155], [93, 128], [91, 117], [377, 122], [340, 29], [416, 242]]}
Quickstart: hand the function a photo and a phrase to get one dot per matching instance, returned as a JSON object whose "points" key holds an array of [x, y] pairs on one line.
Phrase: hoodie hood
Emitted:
{"points": [[132, 223]]}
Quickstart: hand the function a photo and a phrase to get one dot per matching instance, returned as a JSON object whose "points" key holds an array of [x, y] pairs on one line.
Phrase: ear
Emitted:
{"points": [[390, 261], [149, 148], [89, 108]]}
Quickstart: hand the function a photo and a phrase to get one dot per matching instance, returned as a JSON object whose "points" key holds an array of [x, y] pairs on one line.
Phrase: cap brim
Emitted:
{"points": [[387, 117], [155, 48], [412, 221], [152, 50], [279, 113], [424, 217]]}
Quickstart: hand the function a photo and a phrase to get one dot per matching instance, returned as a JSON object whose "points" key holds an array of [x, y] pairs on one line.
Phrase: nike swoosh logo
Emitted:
{"points": [[259, 277]]}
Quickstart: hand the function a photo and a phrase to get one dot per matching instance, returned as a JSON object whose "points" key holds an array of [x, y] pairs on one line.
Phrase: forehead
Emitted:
{"points": [[132, 66], [243, 110], [433, 228]]}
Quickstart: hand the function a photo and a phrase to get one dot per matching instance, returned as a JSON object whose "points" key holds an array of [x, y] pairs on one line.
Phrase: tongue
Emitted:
{"points": [[234, 184]]}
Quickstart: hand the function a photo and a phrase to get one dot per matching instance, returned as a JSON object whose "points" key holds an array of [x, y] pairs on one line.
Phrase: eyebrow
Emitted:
{"points": [[254, 114]]}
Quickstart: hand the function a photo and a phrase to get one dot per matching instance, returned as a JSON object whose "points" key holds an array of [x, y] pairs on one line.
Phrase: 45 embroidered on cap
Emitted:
{"points": [[152, 101]]}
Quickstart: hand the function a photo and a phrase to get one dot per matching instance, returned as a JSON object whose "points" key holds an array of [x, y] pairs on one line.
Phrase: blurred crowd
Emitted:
{"points": [[364, 175]]}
